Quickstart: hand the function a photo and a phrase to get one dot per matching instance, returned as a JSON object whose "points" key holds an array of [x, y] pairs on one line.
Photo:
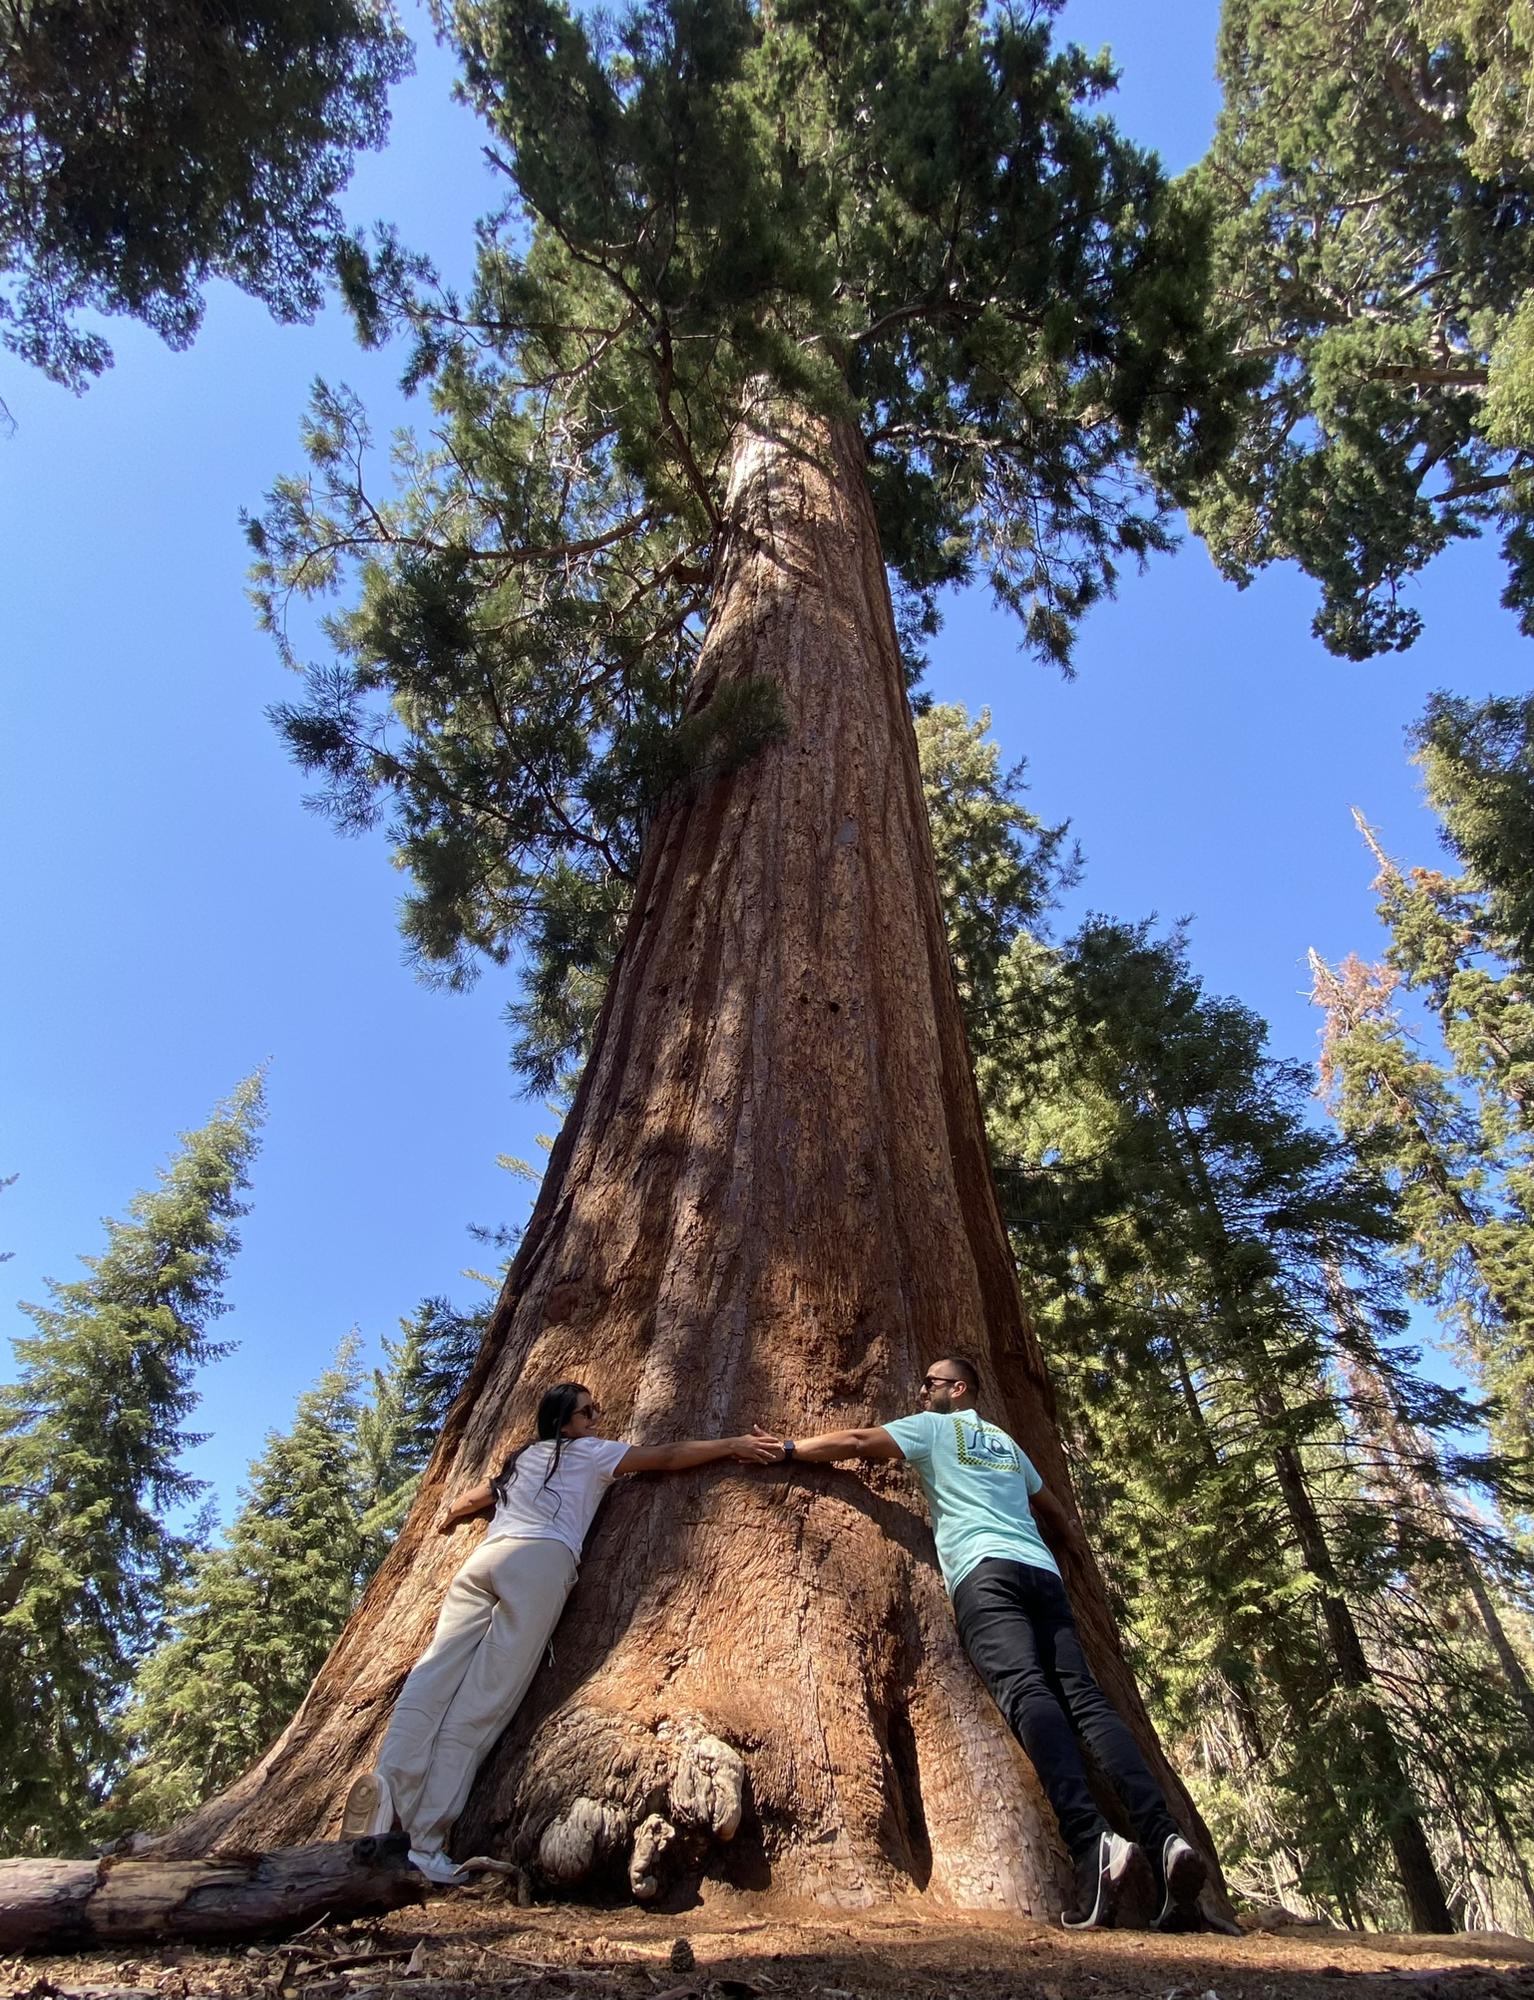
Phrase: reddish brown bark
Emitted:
{"points": [[771, 1202]]}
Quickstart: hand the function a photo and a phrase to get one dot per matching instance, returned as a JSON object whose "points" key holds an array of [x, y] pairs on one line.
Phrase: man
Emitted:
{"points": [[987, 1505]]}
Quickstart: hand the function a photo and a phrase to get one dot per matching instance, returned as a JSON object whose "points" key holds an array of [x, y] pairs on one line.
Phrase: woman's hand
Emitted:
{"points": [[478, 1500], [759, 1448]]}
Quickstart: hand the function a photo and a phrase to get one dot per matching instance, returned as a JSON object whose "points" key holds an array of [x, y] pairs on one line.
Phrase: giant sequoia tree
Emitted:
{"points": [[802, 291]]}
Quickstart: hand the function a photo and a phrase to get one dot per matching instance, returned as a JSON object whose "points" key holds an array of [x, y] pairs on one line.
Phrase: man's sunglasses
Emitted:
{"points": [[942, 1381]]}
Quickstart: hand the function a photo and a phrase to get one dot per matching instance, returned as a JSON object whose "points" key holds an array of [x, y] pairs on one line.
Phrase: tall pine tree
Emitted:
{"points": [[92, 1433], [256, 1615], [1442, 945], [398, 1427], [1466, 1243], [1477, 763]]}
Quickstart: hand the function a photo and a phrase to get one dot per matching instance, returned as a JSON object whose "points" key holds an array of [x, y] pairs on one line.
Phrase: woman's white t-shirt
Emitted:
{"points": [[537, 1506]]}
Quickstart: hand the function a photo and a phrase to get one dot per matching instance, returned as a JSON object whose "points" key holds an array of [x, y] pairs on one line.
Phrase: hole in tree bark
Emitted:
{"points": [[906, 1800], [743, 1863]]}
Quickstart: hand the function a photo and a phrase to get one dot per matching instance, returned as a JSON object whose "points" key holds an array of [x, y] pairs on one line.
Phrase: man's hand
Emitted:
{"points": [[873, 1444], [1060, 1529]]}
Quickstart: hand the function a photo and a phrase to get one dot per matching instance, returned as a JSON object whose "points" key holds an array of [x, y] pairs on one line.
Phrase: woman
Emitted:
{"points": [[499, 1613]]}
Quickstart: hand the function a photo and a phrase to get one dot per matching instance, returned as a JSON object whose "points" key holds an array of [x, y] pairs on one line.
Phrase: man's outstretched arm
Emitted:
{"points": [[874, 1443]]}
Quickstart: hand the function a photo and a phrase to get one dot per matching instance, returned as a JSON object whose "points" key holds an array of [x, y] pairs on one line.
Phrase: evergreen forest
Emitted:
{"points": [[1284, 1288]]}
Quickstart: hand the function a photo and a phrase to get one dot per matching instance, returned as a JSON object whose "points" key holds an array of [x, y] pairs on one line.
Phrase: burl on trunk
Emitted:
{"points": [[771, 1203]]}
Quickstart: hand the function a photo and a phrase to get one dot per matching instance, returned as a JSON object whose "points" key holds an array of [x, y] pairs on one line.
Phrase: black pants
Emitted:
{"points": [[1016, 1624]]}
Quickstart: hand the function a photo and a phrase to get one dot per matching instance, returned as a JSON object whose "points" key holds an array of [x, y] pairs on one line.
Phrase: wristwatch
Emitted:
{"points": [[788, 1449]]}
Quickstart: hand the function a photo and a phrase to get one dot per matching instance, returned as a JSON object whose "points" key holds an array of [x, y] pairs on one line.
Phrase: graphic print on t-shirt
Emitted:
{"points": [[991, 1451]]}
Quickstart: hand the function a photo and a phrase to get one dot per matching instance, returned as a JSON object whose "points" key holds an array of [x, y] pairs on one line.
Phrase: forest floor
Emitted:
{"points": [[465, 1945]]}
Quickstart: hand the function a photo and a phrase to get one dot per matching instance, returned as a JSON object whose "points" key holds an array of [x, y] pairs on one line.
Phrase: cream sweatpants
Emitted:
{"points": [[495, 1622]]}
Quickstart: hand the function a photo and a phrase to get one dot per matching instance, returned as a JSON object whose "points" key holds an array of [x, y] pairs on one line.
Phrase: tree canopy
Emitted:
{"points": [[146, 149], [1373, 179], [915, 217]]}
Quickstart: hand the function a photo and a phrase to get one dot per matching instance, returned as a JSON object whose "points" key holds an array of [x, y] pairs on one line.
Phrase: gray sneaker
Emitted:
{"points": [[1183, 1874], [436, 1866], [1114, 1887], [369, 1807]]}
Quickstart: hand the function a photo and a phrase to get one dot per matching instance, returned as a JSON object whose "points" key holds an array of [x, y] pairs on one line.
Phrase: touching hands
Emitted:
{"points": [[759, 1448]]}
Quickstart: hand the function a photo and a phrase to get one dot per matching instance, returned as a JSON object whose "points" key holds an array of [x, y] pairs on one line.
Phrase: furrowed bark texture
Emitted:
{"points": [[771, 1202]]}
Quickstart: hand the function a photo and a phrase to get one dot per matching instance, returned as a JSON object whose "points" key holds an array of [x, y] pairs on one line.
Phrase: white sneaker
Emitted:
{"points": [[369, 1807], [436, 1866]]}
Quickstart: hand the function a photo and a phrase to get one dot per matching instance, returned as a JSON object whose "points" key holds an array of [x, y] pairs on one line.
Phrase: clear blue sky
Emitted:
{"points": [[172, 917]]}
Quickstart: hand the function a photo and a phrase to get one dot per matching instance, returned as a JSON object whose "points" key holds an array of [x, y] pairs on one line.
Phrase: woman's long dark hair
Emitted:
{"points": [[556, 1406]]}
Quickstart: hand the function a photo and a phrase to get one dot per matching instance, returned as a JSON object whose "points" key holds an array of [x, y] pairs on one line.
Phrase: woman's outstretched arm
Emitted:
{"points": [[759, 1448]]}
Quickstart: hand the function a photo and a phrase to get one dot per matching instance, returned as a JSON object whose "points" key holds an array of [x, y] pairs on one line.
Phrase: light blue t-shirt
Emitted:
{"points": [[978, 1483]]}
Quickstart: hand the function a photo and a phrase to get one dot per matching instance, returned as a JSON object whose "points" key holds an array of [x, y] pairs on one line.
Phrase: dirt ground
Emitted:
{"points": [[478, 1945]]}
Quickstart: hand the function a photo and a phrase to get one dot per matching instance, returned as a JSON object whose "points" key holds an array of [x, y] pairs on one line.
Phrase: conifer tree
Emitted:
{"points": [[1373, 184], [1411, 1469], [785, 296], [1477, 762], [255, 1616], [1466, 1247], [145, 151], [999, 870], [92, 1433], [398, 1426], [724, 204], [1441, 945]]}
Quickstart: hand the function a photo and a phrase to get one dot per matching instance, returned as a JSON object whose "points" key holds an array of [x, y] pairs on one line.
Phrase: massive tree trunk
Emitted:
{"points": [[771, 1202]]}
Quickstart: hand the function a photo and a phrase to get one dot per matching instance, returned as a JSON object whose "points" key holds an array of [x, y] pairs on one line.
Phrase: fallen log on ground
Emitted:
{"points": [[56, 1905]]}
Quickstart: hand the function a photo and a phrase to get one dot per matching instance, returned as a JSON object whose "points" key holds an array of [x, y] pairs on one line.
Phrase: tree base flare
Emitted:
{"points": [[668, 1834]]}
